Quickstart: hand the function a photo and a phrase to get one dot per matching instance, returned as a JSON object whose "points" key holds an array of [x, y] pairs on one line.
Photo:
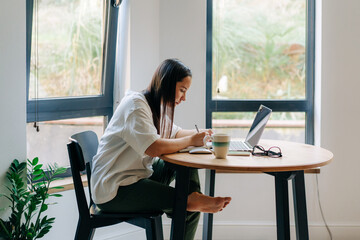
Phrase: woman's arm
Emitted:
{"points": [[164, 146], [184, 132]]}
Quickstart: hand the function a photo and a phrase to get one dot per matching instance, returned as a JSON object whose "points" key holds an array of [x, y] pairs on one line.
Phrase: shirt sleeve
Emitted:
{"points": [[175, 130], [139, 131]]}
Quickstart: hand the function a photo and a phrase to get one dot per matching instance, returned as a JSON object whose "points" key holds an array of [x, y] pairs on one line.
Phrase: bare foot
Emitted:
{"points": [[198, 202]]}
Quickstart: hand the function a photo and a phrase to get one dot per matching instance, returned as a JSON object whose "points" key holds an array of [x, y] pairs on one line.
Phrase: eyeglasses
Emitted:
{"points": [[273, 152]]}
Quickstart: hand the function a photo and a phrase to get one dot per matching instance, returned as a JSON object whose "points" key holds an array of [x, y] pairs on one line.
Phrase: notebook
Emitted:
{"points": [[255, 132]]}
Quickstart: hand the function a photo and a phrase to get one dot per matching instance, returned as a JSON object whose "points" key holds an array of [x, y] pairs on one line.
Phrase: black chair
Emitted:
{"points": [[81, 148]]}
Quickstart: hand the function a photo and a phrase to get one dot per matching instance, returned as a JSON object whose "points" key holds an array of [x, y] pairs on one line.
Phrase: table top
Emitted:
{"points": [[296, 156]]}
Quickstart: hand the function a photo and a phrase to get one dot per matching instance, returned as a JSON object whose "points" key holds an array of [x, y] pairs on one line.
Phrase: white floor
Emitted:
{"points": [[121, 231]]}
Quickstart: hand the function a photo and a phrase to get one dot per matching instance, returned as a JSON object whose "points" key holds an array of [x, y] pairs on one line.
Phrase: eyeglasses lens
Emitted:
{"points": [[274, 152], [258, 150]]}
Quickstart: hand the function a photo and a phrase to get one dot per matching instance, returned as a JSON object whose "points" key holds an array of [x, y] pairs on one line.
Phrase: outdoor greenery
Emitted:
{"points": [[69, 52], [28, 200], [259, 49]]}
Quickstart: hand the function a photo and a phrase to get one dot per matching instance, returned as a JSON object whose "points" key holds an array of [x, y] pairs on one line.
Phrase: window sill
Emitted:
{"points": [[67, 184]]}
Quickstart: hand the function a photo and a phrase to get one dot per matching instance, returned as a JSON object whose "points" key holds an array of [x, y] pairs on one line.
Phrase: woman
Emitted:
{"points": [[127, 175]]}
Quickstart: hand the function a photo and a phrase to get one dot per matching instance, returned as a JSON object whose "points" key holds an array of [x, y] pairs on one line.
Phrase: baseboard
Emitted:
{"points": [[231, 230], [267, 231]]}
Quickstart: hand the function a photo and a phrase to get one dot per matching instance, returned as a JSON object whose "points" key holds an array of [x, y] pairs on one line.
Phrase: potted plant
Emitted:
{"points": [[28, 200]]}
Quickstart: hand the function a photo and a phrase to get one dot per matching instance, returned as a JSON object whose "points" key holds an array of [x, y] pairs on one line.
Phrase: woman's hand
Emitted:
{"points": [[184, 138], [198, 139], [207, 131]]}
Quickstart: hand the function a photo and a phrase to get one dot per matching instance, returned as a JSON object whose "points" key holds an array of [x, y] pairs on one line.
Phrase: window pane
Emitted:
{"points": [[289, 126], [49, 144], [259, 49], [69, 48]]}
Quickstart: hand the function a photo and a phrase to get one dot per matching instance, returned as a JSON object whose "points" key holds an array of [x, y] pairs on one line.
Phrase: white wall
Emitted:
{"points": [[144, 42], [171, 28], [12, 87], [182, 36], [340, 112]]}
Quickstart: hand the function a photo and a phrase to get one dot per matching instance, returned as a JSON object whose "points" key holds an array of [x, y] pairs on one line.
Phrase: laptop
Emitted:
{"points": [[255, 132], [252, 138]]}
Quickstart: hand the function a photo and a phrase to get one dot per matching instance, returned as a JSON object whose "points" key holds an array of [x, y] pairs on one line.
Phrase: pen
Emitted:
{"points": [[197, 129]]}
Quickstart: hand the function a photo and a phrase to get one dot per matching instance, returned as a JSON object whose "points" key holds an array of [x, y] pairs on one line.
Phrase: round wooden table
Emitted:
{"points": [[296, 157]]}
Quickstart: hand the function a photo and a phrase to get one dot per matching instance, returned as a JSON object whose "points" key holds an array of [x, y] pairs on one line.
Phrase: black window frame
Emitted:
{"points": [[46, 109], [84, 106], [306, 105]]}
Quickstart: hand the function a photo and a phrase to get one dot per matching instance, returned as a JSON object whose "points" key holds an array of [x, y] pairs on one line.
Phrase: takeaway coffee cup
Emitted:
{"points": [[220, 144]]}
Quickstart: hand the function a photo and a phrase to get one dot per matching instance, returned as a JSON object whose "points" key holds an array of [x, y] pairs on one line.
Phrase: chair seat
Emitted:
{"points": [[98, 213]]}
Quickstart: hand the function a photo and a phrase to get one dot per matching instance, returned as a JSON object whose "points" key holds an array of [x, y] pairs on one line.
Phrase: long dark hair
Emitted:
{"points": [[160, 94]]}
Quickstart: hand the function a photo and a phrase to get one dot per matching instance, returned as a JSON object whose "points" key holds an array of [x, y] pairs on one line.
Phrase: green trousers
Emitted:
{"points": [[155, 194]]}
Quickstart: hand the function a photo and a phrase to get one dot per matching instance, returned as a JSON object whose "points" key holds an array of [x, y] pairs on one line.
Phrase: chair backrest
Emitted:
{"points": [[82, 148], [89, 143]]}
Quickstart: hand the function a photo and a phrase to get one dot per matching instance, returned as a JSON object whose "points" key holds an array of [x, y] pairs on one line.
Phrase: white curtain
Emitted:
{"points": [[122, 67]]}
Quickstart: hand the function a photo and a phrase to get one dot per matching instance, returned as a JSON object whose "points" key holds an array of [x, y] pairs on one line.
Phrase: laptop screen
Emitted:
{"points": [[258, 126]]}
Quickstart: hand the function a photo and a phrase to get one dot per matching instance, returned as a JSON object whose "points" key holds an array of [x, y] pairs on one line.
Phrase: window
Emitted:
{"points": [[261, 52], [71, 47]]}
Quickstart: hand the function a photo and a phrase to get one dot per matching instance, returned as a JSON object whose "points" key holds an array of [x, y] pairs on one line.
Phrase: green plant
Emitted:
{"points": [[27, 197]]}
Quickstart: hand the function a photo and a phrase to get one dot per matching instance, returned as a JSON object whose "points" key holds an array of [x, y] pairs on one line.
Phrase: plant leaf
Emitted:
{"points": [[44, 207], [37, 167], [37, 172], [56, 195], [22, 166], [38, 177], [15, 162], [35, 161], [60, 171]]}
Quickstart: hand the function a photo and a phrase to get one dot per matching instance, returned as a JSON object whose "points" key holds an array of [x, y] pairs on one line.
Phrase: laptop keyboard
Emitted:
{"points": [[238, 146]]}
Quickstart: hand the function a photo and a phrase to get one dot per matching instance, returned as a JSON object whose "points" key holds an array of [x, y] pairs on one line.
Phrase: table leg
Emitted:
{"points": [[282, 205], [301, 223], [210, 191], [181, 195]]}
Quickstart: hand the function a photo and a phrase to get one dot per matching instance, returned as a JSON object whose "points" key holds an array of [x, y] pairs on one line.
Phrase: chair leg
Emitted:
{"points": [[152, 226], [92, 233], [157, 229], [84, 231]]}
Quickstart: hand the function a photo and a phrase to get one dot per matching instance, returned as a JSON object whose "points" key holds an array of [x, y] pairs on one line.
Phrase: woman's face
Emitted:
{"points": [[181, 89]]}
